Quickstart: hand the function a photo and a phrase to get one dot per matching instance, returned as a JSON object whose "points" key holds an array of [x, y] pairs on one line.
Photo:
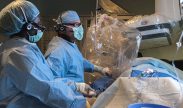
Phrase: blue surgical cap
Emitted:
{"points": [[68, 17], [12, 18]]}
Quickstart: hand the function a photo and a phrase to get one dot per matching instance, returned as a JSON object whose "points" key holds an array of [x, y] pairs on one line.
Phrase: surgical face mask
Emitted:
{"points": [[78, 32], [35, 38]]}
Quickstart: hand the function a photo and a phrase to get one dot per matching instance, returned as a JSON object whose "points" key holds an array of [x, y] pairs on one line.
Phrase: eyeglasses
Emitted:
{"points": [[72, 24], [39, 26]]}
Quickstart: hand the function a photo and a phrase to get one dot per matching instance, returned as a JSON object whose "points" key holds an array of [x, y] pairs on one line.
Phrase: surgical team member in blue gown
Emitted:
{"points": [[26, 80], [63, 55]]}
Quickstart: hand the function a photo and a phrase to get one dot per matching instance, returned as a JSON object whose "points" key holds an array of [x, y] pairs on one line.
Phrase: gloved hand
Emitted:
{"points": [[106, 71], [85, 89]]}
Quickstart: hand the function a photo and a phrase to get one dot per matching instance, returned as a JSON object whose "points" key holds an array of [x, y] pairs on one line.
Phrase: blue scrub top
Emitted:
{"points": [[27, 81], [66, 60]]}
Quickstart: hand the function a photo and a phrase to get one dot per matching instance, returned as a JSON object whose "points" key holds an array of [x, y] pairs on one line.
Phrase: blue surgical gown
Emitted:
{"points": [[160, 69], [66, 60], [26, 81]]}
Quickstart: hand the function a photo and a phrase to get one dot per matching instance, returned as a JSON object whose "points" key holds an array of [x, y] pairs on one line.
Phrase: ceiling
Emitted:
{"points": [[52, 8]]}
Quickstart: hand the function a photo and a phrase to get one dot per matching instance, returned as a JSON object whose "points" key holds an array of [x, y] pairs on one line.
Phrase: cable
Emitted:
{"points": [[178, 44]]}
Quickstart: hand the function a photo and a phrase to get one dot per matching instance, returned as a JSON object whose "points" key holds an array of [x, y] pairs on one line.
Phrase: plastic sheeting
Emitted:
{"points": [[110, 43], [164, 90], [154, 29], [125, 91], [112, 8], [146, 20]]}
